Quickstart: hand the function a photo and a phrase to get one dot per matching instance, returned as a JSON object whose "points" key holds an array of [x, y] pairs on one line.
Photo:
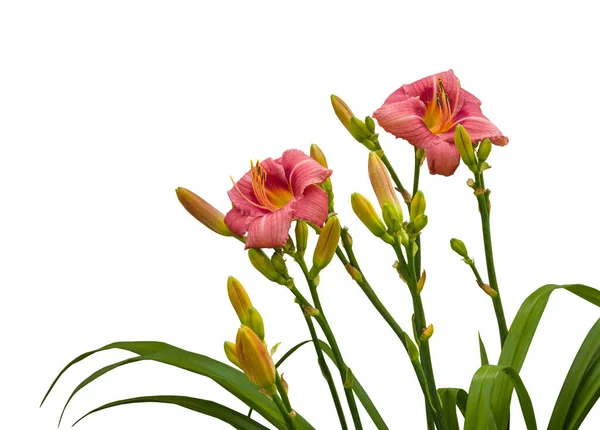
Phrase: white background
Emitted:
{"points": [[107, 107]]}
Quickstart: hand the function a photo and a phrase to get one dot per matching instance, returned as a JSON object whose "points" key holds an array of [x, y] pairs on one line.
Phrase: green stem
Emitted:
{"points": [[484, 206], [417, 172], [281, 389], [420, 323], [321, 359], [376, 302], [333, 344], [289, 422]]}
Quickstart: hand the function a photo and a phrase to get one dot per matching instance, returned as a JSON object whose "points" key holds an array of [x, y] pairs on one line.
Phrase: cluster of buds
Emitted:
{"points": [[249, 352], [476, 162], [362, 131]]}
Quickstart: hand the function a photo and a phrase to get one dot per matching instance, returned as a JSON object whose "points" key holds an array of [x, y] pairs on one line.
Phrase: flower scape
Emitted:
{"points": [[280, 201]]}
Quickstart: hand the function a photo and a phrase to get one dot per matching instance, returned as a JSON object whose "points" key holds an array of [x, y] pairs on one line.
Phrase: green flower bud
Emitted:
{"points": [[255, 322], [370, 124], [341, 110], [463, 143], [327, 243], [366, 213], [484, 150], [263, 264], [230, 353], [301, 237], [417, 205], [459, 247], [279, 263]]}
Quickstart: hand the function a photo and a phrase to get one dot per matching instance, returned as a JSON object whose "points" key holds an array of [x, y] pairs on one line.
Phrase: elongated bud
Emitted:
{"points": [[421, 282], [255, 322], [255, 360], [341, 110], [366, 213], [417, 205], [279, 264], [362, 134], [370, 124], [263, 264], [203, 211], [459, 247], [427, 333], [317, 155], [463, 143], [239, 298], [417, 225], [487, 289], [385, 191], [327, 244], [484, 150], [353, 272], [230, 353], [301, 237]]}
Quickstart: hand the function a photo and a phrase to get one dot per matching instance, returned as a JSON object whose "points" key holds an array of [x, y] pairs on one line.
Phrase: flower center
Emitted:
{"points": [[270, 197], [439, 114]]}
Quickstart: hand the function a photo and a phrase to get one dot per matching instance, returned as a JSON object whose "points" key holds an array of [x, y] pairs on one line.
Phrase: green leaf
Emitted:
{"points": [[226, 376], [206, 407], [582, 384], [451, 398], [521, 334], [482, 352], [483, 393]]}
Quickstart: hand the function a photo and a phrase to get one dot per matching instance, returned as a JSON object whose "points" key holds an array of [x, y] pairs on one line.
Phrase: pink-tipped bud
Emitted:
{"points": [[255, 360], [239, 299], [385, 191], [203, 211]]}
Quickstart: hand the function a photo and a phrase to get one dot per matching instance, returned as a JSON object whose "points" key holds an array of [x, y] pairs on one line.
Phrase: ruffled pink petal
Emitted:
{"points": [[442, 159], [477, 125], [271, 230], [426, 88], [242, 197], [237, 222], [405, 120], [313, 206], [302, 171], [275, 174]]}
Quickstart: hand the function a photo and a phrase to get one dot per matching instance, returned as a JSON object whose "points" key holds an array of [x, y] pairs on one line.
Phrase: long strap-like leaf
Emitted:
{"points": [[206, 407], [452, 398]]}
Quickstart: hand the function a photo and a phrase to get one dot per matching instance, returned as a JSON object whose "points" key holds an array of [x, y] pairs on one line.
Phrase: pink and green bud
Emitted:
{"points": [[417, 205], [255, 360], [239, 299], [255, 322], [203, 211], [463, 143], [364, 210], [230, 353], [301, 237], [263, 264], [385, 191], [326, 245]]}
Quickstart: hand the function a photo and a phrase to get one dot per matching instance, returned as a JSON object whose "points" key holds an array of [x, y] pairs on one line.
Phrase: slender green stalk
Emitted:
{"points": [[283, 392], [416, 176], [290, 423], [333, 344], [321, 359], [484, 210], [420, 324], [374, 299]]}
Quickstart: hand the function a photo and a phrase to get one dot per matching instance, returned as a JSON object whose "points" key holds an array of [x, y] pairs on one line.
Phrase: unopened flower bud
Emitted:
{"points": [[203, 211], [385, 191], [279, 263], [421, 282], [362, 134], [230, 353], [301, 237], [327, 244], [341, 110], [370, 124], [255, 322], [470, 183], [353, 272], [239, 298], [419, 224], [255, 360], [463, 143], [417, 205], [459, 247], [427, 333], [366, 213], [484, 150], [263, 264], [317, 155]]}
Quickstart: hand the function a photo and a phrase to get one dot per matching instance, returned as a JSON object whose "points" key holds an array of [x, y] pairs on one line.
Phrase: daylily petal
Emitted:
{"points": [[275, 174], [405, 120], [242, 197], [478, 126], [302, 171], [442, 159], [312, 207], [236, 222], [271, 230], [425, 88]]}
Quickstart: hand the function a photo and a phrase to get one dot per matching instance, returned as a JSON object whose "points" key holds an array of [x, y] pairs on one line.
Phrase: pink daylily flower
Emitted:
{"points": [[272, 194], [426, 112]]}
